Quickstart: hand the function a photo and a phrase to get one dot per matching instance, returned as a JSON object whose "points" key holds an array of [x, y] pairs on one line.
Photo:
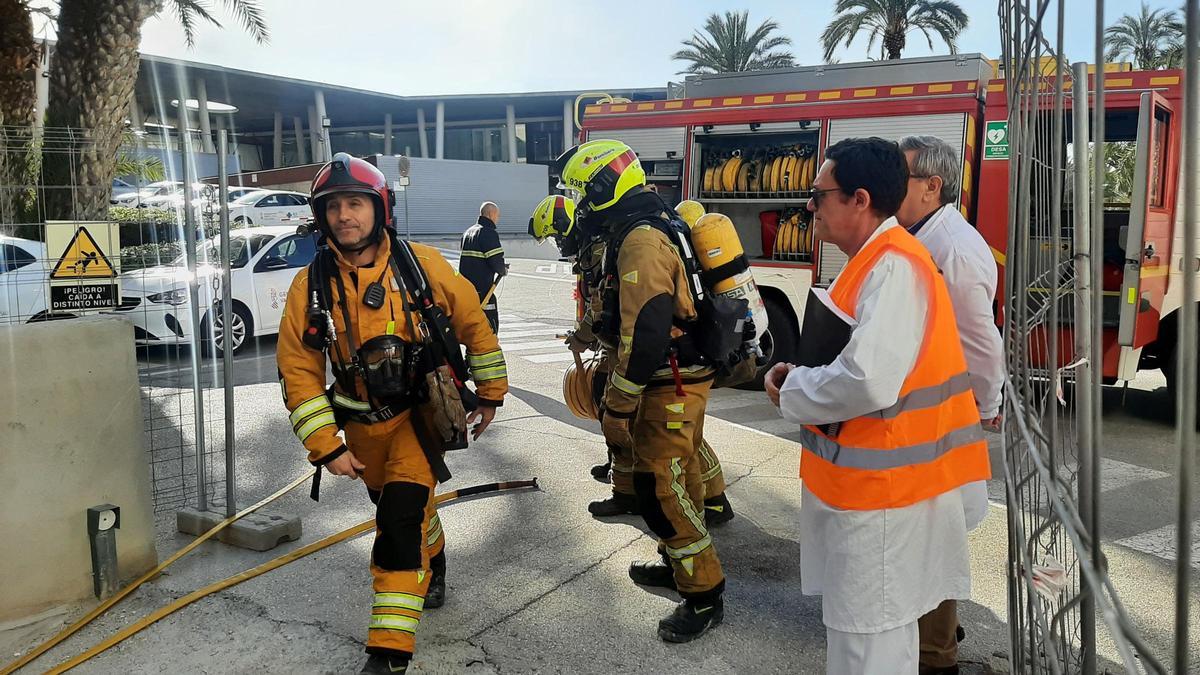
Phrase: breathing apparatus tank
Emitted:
{"points": [[720, 254]]}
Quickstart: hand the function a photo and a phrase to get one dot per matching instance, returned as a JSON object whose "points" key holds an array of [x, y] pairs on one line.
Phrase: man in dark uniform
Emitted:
{"points": [[482, 261]]}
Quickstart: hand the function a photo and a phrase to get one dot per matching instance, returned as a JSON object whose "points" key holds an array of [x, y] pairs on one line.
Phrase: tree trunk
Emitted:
{"points": [[893, 43], [95, 69], [19, 59]]}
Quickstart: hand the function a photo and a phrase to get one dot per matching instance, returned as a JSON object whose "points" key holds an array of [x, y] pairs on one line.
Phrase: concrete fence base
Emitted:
{"points": [[70, 438]]}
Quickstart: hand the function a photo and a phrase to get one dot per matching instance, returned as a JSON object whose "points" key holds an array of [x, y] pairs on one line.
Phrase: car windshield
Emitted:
{"points": [[249, 198], [241, 249]]}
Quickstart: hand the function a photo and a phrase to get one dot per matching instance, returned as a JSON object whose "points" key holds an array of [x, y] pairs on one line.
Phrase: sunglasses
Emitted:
{"points": [[818, 195]]}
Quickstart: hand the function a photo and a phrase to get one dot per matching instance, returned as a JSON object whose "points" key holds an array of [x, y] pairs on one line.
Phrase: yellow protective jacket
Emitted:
{"points": [[588, 263], [654, 297], [302, 373]]}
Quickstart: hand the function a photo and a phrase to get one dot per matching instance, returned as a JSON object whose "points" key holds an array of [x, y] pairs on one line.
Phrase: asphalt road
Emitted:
{"points": [[536, 585]]}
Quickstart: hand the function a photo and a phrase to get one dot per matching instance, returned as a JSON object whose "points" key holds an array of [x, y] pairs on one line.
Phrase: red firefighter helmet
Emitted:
{"points": [[346, 173]]}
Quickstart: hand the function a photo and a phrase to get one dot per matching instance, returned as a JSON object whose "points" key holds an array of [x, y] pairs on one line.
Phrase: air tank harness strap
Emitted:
{"points": [[722, 272]]}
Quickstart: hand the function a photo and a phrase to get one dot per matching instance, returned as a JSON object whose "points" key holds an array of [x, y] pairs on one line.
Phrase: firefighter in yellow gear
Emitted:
{"points": [[554, 219], [658, 386], [369, 303]]}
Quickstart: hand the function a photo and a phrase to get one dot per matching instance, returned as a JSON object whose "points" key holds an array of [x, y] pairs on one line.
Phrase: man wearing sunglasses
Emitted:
{"points": [[967, 265], [890, 427]]}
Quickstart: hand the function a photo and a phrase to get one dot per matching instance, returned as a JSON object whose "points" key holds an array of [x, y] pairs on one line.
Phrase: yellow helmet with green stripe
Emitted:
{"points": [[600, 172], [553, 217]]}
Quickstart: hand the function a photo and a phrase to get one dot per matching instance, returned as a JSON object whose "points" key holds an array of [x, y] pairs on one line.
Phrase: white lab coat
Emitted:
{"points": [[876, 570], [970, 272]]}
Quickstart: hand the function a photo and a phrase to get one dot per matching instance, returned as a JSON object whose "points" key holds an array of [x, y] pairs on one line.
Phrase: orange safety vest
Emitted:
{"points": [[928, 442]]}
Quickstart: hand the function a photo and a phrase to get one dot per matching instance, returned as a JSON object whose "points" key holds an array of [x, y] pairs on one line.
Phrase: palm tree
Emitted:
{"points": [[891, 21], [1153, 39], [730, 46], [95, 68], [20, 55]]}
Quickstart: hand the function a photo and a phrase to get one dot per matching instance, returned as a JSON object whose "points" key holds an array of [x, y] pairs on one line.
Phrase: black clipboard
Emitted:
{"points": [[824, 334]]}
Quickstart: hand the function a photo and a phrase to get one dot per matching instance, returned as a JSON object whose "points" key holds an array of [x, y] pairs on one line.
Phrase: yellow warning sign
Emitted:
{"points": [[83, 259]]}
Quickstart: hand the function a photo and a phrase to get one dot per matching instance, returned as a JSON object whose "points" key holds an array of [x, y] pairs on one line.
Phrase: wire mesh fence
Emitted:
{"points": [[1067, 223], [141, 274]]}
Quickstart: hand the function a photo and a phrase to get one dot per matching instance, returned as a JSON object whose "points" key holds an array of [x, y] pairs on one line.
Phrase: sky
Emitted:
{"points": [[485, 46]]}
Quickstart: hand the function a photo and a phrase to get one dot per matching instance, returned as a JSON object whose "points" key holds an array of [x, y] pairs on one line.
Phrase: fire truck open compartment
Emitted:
{"points": [[760, 175]]}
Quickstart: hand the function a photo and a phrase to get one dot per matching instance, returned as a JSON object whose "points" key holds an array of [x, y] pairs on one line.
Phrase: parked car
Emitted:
{"points": [[24, 280], [157, 189], [268, 207], [236, 193], [119, 188], [263, 262]]}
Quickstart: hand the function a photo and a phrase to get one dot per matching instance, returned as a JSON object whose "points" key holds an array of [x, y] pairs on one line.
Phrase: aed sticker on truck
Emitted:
{"points": [[995, 140]]}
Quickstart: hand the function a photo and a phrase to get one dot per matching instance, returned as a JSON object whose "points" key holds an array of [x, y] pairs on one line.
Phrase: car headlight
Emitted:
{"points": [[176, 296]]}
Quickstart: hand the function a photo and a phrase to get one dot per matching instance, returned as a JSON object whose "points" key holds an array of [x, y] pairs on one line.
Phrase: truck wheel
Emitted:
{"points": [[779, 342]]}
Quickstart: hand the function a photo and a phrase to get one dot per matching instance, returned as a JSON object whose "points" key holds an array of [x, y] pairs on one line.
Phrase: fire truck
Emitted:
{"points": [[748, 144]]}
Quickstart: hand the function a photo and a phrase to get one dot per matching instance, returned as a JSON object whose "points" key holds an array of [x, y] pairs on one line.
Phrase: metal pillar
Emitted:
{"points": [[298, 128], [421, 132], [227, 316], [314, 142], [510, 126], [135, 115], [1185, 350], [439, 130], [322, 130], [206, 142], [277, 141], [387, 134], [189, 236], [1084, 393], [41, 88], [568, 124]]}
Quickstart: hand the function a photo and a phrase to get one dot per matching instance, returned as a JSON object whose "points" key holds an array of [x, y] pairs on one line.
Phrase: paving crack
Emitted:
{"points": [[559, 585]]}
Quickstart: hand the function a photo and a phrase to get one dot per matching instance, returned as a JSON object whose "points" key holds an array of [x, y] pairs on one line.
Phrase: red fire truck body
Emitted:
{"points": [[738, 143]]}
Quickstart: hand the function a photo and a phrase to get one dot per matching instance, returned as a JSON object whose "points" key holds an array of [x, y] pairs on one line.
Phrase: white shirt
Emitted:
{"points": [[876, 570], [970, 272]]}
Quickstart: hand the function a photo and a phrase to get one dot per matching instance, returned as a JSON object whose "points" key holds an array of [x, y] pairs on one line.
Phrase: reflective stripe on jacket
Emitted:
{"points": [[929, 441], [302, 369]]}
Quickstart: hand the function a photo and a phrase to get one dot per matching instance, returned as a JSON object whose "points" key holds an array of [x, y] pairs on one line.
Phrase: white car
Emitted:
{"points": [[264, 260], [269, 207], [24, 280], [158, 189]]}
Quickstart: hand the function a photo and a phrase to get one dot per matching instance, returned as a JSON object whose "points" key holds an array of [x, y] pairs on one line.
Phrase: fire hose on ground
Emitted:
{"points": [[351, 532]]}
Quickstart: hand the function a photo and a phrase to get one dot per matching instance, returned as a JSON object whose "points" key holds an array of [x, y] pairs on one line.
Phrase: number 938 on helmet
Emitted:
{"points": [[600, 172]]}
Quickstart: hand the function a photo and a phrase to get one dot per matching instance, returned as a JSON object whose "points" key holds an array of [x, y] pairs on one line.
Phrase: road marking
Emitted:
{"points": [[741, 399], [543, 277], [550, 358], [532, 333], [526, 346], [1161, 543]]}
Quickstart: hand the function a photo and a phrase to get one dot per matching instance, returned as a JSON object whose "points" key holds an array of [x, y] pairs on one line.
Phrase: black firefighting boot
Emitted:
{"points": [[436, 595], [616, 505], [717, 510], [656, 573], [385, 664], [691, 619], [600, 472]]}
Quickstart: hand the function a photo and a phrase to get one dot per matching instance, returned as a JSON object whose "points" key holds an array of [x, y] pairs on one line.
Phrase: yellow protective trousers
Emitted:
{"points": [[710, 470], [408, 532], [667, 477]]}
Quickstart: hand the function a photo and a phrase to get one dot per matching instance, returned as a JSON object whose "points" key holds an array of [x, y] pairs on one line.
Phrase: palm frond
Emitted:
{"points": [[252, 18]]}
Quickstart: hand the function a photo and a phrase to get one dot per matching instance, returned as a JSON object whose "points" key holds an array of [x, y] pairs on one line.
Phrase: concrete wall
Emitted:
{"points": [[71, 430]]}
